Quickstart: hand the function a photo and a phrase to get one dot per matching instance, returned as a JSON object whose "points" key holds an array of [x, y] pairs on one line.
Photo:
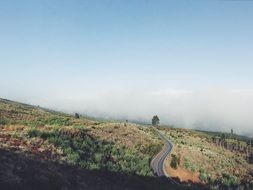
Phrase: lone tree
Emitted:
{"points": [[232, 133], [126, 122], [77, 116], [155, 120]]}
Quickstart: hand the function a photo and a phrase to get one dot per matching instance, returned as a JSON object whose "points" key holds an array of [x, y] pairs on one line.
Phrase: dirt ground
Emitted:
{"points": [[184, 175]]}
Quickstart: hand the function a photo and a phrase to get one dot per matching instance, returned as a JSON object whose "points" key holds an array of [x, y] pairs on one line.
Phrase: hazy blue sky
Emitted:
{"points": [[73, 50]]}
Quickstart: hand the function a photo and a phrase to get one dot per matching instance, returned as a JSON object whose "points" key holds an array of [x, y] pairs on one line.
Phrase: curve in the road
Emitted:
{"points": [[157, 164]]}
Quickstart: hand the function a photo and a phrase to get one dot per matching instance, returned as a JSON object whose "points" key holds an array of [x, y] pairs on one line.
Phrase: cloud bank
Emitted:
{"points": [[213, 109]]}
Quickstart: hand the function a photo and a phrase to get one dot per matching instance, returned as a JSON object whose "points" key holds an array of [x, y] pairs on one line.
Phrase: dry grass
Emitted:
{"points": [[21, 119], [197, 153], [129, 136]]}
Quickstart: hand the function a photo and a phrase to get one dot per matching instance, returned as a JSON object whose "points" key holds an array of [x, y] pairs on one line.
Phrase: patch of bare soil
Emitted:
{"points": [[185, 176]]}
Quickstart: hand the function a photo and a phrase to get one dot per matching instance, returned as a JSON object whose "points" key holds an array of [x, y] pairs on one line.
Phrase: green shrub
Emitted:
{"points": [[183, 142], [3, 121], [33, 133], [59, 141], [89, 153], [98, 157], [72, 156], [152, 149], [59, 121], [14, 135], [203, 175], [186, 163], [39, 122], [94, 166], [193, 168], [229, 180], [174, 162]]}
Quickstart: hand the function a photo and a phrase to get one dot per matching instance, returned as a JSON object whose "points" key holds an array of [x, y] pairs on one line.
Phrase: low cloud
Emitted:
{"points": [[213, 109]]}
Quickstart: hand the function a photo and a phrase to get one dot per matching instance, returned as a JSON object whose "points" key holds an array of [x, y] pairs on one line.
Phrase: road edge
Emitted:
{"points": [[164, 170]]}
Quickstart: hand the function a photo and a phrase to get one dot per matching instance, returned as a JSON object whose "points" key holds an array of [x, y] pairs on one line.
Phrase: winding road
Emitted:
{"points": [[157, 164]]}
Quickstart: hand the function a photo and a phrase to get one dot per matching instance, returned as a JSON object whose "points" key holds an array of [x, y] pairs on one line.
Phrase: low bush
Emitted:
{"points": [[3, 121], [62, 121], [151, 149], [174, 162], [193, 168], [93, 154], [33, 133], [203, 176], [229, 180], [186, 163]]}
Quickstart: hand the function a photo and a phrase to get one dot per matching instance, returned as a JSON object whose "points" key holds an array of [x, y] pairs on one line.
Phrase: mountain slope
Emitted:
{"points": [[43, 149], [203, 158]]}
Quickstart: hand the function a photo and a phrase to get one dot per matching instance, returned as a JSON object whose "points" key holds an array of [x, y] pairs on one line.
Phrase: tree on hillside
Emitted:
{"points": [[126, 122], [174, 162], [155, 120], [77, 116]]}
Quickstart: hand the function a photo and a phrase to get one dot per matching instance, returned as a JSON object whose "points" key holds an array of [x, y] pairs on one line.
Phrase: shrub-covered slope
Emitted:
{"points": [[33, 135], [44, 149], [209, 159]]}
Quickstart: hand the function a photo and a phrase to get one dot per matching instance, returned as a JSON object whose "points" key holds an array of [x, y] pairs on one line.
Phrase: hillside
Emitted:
{"points": [[201, 159], [44, 149]]}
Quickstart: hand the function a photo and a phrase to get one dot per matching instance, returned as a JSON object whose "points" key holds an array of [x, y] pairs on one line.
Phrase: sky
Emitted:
{"points": [[190, 62]]}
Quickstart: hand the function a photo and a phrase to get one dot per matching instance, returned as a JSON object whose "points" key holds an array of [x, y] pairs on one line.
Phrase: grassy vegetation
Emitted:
{"points": [[118, 148], [205, 161], [93, 145], [85, 151], [226, 135]]}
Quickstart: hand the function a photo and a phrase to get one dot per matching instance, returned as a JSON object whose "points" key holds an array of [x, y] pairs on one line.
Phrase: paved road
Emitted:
{"points": [[157, 164]]}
